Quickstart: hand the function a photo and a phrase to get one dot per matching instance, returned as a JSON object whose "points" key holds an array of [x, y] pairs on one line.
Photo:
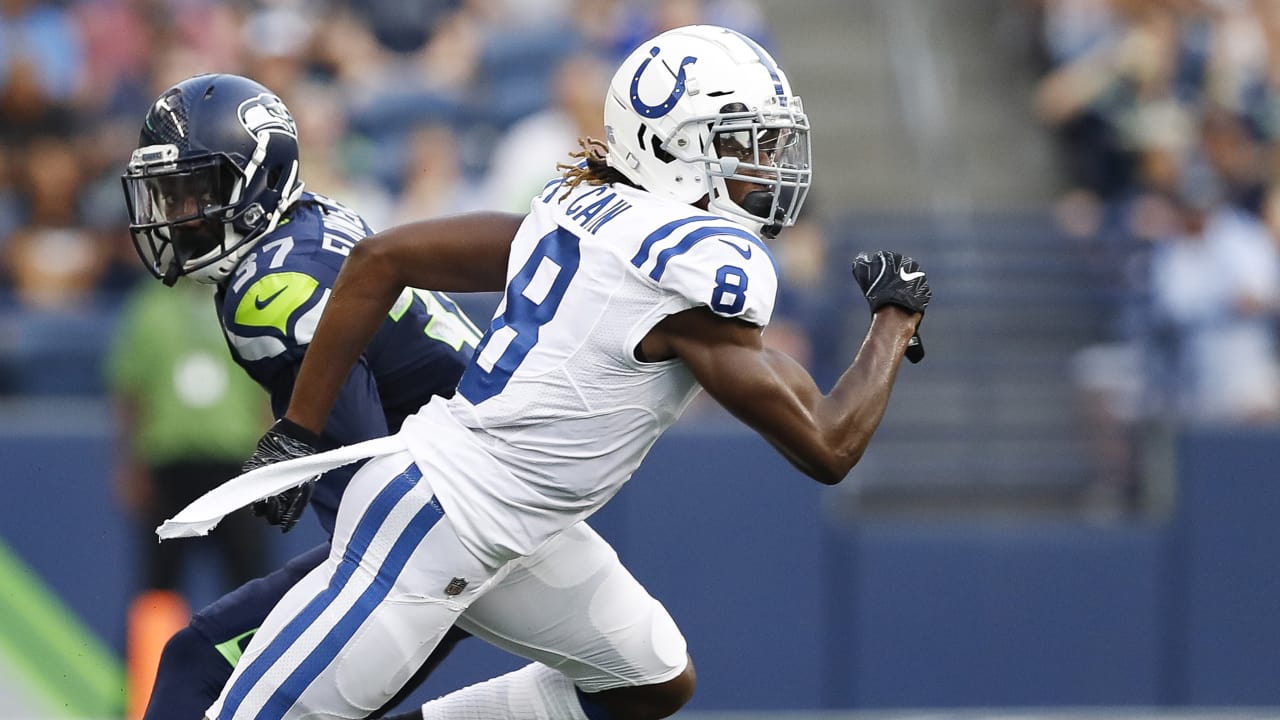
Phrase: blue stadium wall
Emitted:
{"points": [[784, 610]]}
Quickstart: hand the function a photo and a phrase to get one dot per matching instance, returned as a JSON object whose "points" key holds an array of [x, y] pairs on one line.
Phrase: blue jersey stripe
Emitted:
{"points": [[697, 236], [646, 247], [365, 531]]}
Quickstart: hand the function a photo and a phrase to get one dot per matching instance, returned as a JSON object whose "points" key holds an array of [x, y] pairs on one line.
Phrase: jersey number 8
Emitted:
{"points": [[730, 293], [532, 298]]}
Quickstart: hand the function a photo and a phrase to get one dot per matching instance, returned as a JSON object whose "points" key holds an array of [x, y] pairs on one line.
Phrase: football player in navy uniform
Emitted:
{"points": [[215, 196]]}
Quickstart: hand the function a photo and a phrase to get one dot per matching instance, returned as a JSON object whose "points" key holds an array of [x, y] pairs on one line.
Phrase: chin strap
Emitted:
{"points": [[758, 203], [172, 272]]}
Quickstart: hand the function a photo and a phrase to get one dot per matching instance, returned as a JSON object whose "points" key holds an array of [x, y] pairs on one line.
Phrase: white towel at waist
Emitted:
{"points": [[206, 511]]}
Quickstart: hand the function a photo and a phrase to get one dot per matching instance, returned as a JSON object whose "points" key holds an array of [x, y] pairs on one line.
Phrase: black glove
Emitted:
{"points": [[887, 278], [284, 441]]}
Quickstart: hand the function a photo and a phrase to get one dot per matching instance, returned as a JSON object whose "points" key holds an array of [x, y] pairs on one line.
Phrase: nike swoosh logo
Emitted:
{"points": [[261, 303], [908, 277], [744, 252]]}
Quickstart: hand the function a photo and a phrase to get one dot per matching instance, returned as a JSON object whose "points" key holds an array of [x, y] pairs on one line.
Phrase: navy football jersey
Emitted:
{"points": [[269, 309]]}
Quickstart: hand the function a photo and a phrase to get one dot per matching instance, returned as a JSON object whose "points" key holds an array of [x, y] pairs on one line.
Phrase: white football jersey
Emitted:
{"points": [[555, 412]]}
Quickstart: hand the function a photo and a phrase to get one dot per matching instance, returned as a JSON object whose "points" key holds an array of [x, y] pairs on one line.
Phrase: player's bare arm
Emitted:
{"points": [[822, 435], [460, 253]]}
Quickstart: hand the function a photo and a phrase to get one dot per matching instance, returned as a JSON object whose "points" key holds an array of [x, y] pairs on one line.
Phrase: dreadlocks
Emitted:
{"points": [[592, 168]]}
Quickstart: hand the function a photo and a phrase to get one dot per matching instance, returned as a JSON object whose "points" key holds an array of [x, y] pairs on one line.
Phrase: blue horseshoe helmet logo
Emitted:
{"points": [[664, 107]]}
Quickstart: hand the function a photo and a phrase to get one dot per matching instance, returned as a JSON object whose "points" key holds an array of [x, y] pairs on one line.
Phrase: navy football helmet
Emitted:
{"points": [[215, 169]]}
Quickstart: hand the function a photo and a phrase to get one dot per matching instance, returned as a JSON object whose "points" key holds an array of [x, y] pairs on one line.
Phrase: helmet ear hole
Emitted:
{"points": [[647, 137], [661, 154]]}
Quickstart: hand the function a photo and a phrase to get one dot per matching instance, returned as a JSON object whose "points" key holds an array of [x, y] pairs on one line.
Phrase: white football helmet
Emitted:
{"points": [[699, 105]]}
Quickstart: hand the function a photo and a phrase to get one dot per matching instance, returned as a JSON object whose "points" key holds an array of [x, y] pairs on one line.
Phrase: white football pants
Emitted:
{"points": [[345, 639]]}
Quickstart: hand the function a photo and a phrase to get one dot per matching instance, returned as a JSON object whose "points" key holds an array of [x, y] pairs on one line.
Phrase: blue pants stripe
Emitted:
{"points": [[375, 515], [342, 632]]}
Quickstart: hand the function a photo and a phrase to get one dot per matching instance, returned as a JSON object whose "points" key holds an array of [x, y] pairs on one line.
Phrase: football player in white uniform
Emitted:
{"points": [[637, 279]]}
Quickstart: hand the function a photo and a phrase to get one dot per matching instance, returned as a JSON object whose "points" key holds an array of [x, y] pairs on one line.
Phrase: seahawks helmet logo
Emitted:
{"points": [[266, 113]]}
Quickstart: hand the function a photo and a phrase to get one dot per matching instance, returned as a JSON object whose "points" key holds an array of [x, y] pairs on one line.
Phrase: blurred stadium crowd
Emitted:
{"points": [[406, 109], [1166, 112], [1167, 115]]}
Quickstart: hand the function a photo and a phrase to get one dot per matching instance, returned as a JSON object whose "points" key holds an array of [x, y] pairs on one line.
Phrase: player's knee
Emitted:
{"points": [[191, 656], [643, 702], [665, 698], [188, 649], [189, 678], [676, 692]]}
